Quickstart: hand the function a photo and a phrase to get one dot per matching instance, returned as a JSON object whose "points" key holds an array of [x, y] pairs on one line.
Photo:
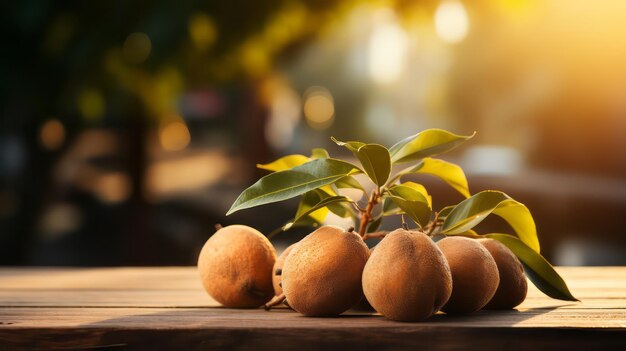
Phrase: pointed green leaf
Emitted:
{"points": [[350, 145], [390, 207], [340, 209], [537, 268], [320, 205], [349, 183], [444, 212], [307, 202], [417, 210], [319, 153], [467, 214], [284, 163], [429, 142], [446, 171], [374, 225], [414, 187], [412, 202], [284, 185], [374, 158]]}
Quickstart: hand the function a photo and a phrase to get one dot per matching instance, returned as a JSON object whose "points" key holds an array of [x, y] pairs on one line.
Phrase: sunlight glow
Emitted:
{"points": [[387, 48], [451, 22]]}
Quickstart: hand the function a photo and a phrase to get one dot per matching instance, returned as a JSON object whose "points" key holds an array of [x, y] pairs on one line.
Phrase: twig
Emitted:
{"points": [[404, 225], [366, 216], [432, 225], [276, 300]]}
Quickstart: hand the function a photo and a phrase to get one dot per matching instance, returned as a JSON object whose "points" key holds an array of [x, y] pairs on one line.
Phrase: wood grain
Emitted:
{"points": [[155, 308]]}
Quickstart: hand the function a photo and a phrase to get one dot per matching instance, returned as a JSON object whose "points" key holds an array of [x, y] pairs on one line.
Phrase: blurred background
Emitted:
{"points": [[127, 129]]}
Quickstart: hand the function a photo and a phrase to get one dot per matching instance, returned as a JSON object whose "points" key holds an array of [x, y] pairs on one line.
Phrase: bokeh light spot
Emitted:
{"points": [[91, 104], [319, 108], [52, 134], [202, 31], [137, 47], [387, 48], [451, 22], [174, 135], [113, 187]]}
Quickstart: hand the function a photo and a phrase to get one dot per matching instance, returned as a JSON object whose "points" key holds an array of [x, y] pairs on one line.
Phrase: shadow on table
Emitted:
{"points": [[200, 328]]}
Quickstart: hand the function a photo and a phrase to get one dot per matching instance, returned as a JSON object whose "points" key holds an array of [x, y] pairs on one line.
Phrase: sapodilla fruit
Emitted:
{"points": [[277, 271], [407, 277], [322, 274], [235, 267], [474, 274], [513, 285]]}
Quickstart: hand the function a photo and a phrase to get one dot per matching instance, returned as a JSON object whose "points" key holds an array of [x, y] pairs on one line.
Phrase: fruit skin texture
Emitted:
{"points": [[322, 274], [475, 276], [280, 262], [235, 267], [407, 277], [513, 285]]}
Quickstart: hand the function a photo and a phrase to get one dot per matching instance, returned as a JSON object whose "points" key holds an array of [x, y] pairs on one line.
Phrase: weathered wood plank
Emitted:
{"points": [[185, 318], [148, 308], [256, 329]]}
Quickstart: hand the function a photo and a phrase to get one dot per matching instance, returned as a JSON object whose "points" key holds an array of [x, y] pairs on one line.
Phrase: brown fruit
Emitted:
{"points": [[407, 277], [513, 285], [322, 274], [235, 267], [277, 271], [474, 274]]}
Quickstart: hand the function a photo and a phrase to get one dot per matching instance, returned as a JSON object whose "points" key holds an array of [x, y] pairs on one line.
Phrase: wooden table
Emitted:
{"points": [[155, 308]]}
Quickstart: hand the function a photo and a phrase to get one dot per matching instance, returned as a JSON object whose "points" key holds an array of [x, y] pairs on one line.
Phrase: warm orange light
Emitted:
{"points": [[174, 136], [319, 108], [52, 134], [113, 187]]}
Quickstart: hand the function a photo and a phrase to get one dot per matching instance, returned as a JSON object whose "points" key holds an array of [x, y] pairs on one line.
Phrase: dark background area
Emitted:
{"points": [[128, 128]]}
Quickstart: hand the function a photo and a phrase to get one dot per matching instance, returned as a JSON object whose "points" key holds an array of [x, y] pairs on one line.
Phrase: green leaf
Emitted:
{"points": [[307, 202], [414, 187], [390, 207], [537, 268], [284, 185], [470, 212], [374, 225], [320, 205], [444, 212], [350, 145], [375, 159], [340, 209], [417, 210], [349, 183], [284, 163], [412, 202], [446, 171], [429, 142], [319, 153]]}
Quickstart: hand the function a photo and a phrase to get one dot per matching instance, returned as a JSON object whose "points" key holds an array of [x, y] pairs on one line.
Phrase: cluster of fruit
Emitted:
{"points": [[444, 264], [406, 277]]}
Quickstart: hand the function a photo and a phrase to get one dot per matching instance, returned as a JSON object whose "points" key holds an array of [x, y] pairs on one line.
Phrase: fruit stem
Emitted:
{"points": [[366, 215], [430, 228], [218, 226], [276, 300]]}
